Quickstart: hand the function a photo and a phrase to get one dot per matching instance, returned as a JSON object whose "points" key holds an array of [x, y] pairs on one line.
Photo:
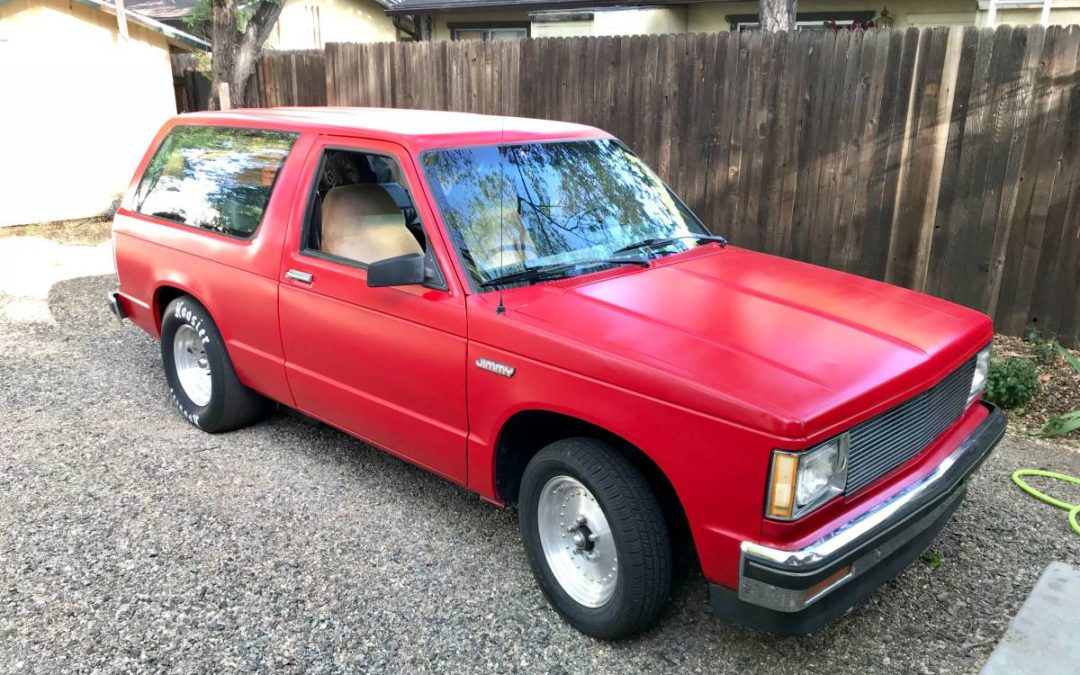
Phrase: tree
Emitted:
{"points": [[237, 29], [777, 15]]}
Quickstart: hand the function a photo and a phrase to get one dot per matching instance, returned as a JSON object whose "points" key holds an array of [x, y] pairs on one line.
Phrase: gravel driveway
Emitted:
{"points": [[131, 541]]}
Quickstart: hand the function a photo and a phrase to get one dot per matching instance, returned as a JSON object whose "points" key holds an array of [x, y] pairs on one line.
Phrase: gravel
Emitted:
{"points": [[131, 541]]}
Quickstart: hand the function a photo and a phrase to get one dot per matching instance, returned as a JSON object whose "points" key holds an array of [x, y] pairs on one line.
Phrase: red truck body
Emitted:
{"points": [[706, 361]]}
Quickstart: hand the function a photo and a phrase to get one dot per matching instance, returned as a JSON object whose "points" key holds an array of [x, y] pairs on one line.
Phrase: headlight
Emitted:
{"points": [[802, 481], [982, 369]]}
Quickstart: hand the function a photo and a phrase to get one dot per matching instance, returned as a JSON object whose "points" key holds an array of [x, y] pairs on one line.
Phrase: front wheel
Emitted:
{"points": [[595, 537]]}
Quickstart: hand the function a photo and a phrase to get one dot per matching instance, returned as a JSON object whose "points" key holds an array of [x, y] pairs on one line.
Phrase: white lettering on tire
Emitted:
{"points": [[184, 313]]}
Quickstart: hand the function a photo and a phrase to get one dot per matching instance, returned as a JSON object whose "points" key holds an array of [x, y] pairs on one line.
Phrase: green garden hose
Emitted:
{"points": [[1073, 509]]}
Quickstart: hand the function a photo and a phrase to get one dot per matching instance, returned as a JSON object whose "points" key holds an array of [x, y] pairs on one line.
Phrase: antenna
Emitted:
{"points": [[501, 309]]}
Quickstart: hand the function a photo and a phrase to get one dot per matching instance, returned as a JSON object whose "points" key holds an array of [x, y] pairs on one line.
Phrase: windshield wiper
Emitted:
{"points": [[664, 241], [557, 270]]}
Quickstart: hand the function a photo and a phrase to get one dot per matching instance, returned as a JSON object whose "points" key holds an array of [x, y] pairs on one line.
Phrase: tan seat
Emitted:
{"points": [[499, 237], [362, 223]]}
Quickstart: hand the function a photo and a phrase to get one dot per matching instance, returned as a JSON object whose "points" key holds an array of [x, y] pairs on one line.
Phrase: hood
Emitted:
{"points": [[764, 341]]}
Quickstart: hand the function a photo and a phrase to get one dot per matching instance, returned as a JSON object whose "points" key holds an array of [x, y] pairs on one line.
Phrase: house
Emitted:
{"points": [[169, 12], [81, 101], [303, 24], [310, 24], [513, 19]]}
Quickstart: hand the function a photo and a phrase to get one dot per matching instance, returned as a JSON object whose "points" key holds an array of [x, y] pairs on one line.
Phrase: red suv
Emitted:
{"points": [[524, 308]]}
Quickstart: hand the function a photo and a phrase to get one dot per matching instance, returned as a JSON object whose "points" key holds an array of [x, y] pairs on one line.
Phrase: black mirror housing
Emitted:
{"points": [[402, 270]]}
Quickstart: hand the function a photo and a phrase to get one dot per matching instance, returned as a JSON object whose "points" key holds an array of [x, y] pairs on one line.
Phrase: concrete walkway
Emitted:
{"points": [[1044, 638]]}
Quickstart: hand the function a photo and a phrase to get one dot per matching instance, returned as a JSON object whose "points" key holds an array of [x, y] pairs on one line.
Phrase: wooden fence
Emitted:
{"points": [[190, 87], [291, 78], [946, 160]]}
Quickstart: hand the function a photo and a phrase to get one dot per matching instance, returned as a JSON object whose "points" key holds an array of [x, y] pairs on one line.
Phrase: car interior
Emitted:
{"points": [[362, 211]]}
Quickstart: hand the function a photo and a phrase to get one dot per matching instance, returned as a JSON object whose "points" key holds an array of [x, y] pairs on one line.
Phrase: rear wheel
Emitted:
{"points": [[595, 537], [201, 377]]}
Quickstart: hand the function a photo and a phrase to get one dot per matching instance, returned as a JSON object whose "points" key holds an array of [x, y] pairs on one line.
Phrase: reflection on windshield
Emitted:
{"points": [[516, 206]]}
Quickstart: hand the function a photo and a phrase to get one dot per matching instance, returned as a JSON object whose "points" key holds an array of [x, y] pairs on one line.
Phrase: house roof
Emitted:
{"points": [[162, 9], [173, 34], [438, 6], [178, 9]]}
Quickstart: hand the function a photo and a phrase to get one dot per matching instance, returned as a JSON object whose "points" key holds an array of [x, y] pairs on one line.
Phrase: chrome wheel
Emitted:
{"points": [[577, 541], [192, 366]]}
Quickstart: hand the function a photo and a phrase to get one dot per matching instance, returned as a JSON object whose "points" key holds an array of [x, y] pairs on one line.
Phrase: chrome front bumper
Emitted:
{"points": [[796, 591]]}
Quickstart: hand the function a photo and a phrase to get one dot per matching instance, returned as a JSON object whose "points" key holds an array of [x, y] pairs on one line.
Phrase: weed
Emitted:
{"points": [[1059, 425], [932, 558], [1044, 351]]}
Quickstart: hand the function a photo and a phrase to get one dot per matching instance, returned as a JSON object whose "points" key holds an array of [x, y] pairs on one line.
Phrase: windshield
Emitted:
{"points": [[510, 208]]}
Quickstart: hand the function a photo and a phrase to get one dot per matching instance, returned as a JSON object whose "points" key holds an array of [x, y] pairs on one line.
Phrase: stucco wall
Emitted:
{"points": [[641, 21], [710, 17], [562, 28], [310, 24], [1030, 17], [649, 21], [80, 105]]}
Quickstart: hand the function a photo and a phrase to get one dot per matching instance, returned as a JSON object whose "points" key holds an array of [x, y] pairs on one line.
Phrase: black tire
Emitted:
{"points": [[643, 548], [231, 405]]}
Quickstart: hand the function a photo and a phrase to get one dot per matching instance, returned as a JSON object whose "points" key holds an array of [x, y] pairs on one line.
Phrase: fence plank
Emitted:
{"points": [[1029, 218], [1048, 292], [852, 235], [920, 138]]}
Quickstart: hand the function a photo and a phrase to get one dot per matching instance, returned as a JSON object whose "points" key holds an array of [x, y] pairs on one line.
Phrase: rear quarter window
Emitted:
{"points": [[213, 178]]}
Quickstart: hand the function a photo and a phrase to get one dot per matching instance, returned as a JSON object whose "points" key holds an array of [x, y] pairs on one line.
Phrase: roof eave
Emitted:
{"points": [[174, 35], [408, 7], [437, 7]]}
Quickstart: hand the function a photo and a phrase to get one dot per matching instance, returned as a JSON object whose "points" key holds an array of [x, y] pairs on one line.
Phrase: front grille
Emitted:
{"points": [[883, 443]]}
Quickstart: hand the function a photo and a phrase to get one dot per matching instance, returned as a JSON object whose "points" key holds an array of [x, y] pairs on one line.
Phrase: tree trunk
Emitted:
{"points": [[777, 15], [233, 59]]}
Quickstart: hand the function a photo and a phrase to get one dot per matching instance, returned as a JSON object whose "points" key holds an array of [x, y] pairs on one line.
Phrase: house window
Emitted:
{"points": [[809, 21], [488, 31]]}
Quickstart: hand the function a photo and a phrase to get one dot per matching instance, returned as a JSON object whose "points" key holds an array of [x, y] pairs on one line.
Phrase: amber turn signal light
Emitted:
{"points": [[782, 488]]}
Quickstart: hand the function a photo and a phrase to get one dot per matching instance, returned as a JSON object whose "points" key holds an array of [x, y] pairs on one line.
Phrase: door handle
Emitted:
{"points": [[297, 275]]}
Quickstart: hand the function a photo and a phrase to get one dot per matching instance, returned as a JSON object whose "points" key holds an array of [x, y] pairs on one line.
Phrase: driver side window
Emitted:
{"points": [[361, 211]]}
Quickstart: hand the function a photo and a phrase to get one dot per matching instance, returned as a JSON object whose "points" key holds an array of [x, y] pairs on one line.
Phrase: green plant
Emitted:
{"points": [[932, 558], [1059, 425], [1012, 382], [1075, 362], [1044, 351]]}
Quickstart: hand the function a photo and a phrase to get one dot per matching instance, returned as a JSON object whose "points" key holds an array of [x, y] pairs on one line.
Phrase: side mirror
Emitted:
{"points": [[401, 270]]}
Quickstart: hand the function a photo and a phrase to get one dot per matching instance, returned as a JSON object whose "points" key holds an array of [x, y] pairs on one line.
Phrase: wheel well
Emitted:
{"points": [[528, 432], [162, 297]]}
